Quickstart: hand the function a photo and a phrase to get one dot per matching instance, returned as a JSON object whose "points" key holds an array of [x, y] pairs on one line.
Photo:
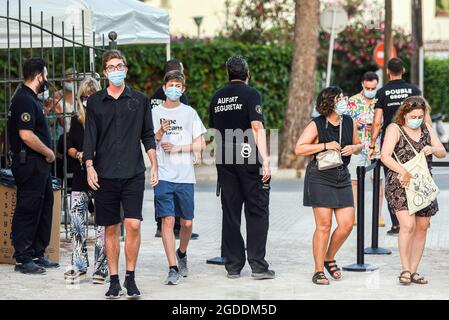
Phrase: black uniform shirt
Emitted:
{"points": [[75, 140], [159, 97], [26, 113], [390, 97], [114, 130], [234, 107]]}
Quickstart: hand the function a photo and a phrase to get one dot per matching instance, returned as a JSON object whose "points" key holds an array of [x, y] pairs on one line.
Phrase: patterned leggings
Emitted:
{"points": [[79, 223]]}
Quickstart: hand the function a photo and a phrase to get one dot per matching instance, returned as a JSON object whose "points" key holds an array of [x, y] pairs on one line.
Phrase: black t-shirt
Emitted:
{"points": [[159, 97], [390, 97], [234, 107], [331, 133], [75, 140], [26, 113]]}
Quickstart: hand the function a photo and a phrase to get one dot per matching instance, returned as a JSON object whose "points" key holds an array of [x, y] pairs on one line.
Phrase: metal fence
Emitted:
{"points": [[61, 53]]}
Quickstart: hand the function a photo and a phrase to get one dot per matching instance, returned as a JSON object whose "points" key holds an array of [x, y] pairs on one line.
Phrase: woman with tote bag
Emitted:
{"points": [[409, 187]]}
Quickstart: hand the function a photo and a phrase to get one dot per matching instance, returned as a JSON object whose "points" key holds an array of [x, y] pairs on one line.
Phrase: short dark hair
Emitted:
{"points": [[325, 102], [237, 68], [32, 67], [173, 64], [112, 54], [174, 75], [396, 66], [370, 76]]}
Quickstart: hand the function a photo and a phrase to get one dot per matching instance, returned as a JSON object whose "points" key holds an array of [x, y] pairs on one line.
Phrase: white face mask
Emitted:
{"points": [[43, 95], [68, 86]]}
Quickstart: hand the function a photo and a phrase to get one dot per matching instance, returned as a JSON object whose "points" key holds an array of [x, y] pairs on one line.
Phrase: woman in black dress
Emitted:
{"points": [[328, 191], [407, 135], [80, 197]]}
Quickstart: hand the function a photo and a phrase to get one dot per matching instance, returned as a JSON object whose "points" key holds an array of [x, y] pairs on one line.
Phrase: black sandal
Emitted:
{"points": [[408, 280], [320, 276], [332, 269], [418, 279]]}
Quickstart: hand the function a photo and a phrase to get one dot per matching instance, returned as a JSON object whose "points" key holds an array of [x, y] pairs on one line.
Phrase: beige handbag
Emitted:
{"points": [[422, 189], [330, 159]]}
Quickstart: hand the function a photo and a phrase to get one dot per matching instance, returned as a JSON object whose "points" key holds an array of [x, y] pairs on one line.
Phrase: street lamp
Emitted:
{"points": [[198, 20]]}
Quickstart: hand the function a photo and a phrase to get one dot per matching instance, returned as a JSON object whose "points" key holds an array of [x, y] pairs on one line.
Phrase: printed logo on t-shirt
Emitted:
{"points": [[173, 128], [259, 109], [399, 93], [25, 117], [228, 104]]}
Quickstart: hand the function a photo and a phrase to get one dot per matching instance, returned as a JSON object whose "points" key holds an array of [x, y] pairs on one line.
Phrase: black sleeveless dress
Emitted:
{"points": [[330, 188]]}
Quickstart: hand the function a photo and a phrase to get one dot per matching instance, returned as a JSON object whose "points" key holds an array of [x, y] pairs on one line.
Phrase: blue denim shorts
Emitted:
{"points": [[174, 199]]}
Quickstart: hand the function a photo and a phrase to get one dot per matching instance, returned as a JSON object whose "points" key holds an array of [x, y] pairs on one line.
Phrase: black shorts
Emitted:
{"points": [[112, 192]]}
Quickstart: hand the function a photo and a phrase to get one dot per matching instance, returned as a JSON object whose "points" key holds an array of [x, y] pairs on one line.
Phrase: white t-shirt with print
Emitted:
{"points": [[185, 126]]}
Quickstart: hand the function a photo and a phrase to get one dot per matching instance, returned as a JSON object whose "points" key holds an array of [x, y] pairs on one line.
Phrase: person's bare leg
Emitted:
{"points": [[112, 246], [381, 195], [185, 234], [345, 221], [405, 239], [323, 221], [132, 242], [418, 242], [354, 192], [168, 239]]}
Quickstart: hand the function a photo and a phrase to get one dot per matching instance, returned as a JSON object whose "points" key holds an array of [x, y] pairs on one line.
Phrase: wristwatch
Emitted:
{"points": [[372, 147]]}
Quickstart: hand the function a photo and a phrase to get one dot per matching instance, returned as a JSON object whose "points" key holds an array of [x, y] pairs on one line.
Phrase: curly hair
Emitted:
{"points": [[325, 102], [408, 105]]}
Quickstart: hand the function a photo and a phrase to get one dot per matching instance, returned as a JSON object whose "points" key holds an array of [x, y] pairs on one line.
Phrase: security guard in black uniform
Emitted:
{"points": [[243, 170], [30, 144]]}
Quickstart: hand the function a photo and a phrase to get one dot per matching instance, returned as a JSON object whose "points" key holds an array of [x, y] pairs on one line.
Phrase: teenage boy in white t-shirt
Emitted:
{"points": [[179, 136]]}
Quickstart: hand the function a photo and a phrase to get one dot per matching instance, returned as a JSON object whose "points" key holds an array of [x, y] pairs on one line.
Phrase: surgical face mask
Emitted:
{"points": [[341, 107], [173, 93], [68, 86], [43, 95], [370, 94], [117, 77], [414, 123]]}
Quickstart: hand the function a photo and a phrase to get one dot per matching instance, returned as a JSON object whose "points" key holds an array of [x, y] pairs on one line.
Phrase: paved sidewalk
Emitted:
{"points": [[289, 252]]}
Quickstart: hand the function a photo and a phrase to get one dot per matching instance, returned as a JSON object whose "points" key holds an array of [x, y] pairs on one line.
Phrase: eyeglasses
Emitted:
{"points": [[119, 67]]}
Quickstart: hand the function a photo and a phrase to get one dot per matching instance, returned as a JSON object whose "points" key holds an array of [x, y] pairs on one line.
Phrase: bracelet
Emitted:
{"points": [[372, 147]]}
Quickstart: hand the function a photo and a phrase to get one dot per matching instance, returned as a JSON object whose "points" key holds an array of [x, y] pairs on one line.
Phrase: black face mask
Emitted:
{"points": [[43, 86]]}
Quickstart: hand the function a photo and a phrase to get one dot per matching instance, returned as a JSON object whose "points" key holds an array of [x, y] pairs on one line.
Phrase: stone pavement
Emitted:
{"points": [[288, 251]]}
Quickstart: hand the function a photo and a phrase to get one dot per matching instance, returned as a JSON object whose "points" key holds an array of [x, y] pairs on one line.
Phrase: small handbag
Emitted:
{"points": [[330, 159], [422, 189]]}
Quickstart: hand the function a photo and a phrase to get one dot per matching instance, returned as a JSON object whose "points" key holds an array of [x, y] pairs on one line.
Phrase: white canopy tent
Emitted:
{"points": [[134, 22]]}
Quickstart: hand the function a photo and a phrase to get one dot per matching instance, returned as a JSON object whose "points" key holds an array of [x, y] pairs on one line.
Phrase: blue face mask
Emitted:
{"points": [[414, 123], [68, 86], [117, 77], [370, 94], [173, 93], [341, 107]]}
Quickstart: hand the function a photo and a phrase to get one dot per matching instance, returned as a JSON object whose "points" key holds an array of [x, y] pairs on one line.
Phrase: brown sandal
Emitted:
{"points": [[416, 278], [320, 276], [408, 280], [332, 268]]}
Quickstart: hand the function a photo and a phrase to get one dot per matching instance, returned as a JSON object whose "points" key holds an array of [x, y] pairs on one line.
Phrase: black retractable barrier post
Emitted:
{"points": [[360, 266], [217, 260], [375, 225]]}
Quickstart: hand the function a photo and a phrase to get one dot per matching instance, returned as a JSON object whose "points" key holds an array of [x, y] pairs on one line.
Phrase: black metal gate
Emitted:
{"points": [[80, 56]]}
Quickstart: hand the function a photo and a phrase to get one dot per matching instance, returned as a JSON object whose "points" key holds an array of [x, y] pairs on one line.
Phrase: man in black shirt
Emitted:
{"points": [[118, 119], [30, 144], [389, 99], [243, 170], [156, 99]]}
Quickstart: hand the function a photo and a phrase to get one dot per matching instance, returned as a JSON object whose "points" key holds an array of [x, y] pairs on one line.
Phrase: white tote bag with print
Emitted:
{"points": [[422, 189]]}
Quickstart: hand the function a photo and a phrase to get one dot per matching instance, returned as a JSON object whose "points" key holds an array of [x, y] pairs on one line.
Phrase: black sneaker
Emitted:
{"points": [[45, 263], [269, 274], [29, 268], [131, 289], [115, 291], [394, 231], [158, 233]]}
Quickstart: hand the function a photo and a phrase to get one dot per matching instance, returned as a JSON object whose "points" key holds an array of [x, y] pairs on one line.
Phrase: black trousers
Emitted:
{"points": [[242, 185], [31, 224]]}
